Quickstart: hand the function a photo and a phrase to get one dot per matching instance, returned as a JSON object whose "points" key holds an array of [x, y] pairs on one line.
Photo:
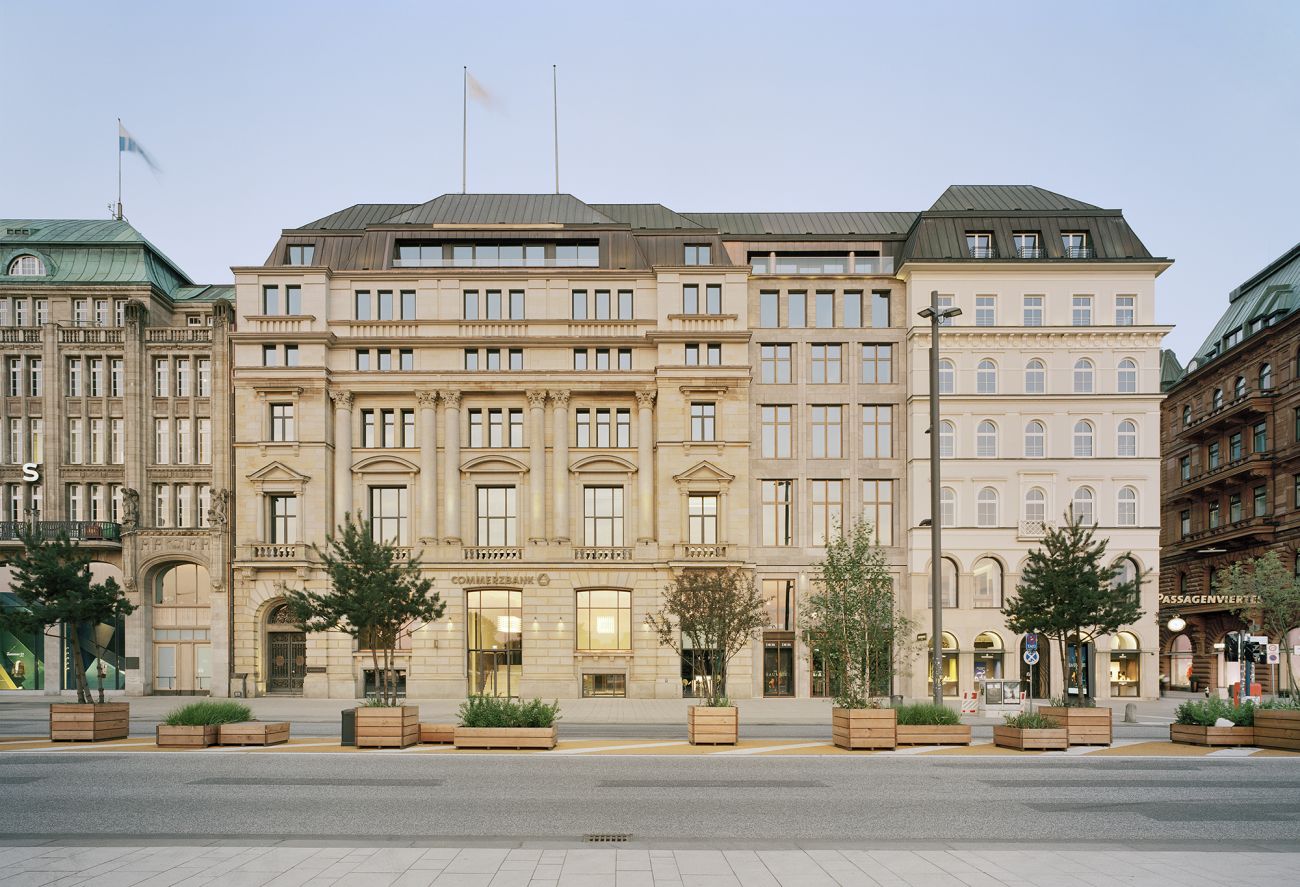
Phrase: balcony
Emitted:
{"points": [[1249, 406], [444, 262], [280, 323], [190, 335], [692, 551], [1254, 465], [1079, 252], [90, 336], [1249, 531], [602, 555], [1029, 252], [983, 252], [20, 336], [861, 266], [494, 553], [491, 329], [76, 531], [273, 551], [1035, 529]]}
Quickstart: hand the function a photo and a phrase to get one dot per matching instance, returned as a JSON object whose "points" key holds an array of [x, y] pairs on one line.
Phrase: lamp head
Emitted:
{"points": [[1177, 623]]}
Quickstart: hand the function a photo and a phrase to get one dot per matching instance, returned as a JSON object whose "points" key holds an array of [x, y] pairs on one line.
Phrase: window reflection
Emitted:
{"points": [[495, 641]]}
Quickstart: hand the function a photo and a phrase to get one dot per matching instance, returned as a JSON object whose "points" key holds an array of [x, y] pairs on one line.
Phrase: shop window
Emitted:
{"points": [[1125, 665], [495, 641], [778, 663], [604, 620], [948, 649], [988, 657], [824, 683], [1180, 663], [610, 686]]}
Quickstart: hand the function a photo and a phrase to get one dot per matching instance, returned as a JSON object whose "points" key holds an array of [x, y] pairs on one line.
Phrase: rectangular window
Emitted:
{"points": [[95, 452], [774, 364], [14, 386], [184, 505], [74, 377], [80, 312], [182, 377], [1261, 501], [1212, 516], [302, 254], [1075, 244], [1236, 447], [21, 317], [827, 431], [292, 299], [101, 312], [697, 254], [368, 438], [1124, 310], [1212, 456], [283, 519], [778, 512], [796, 302], [879, 310], [282, 422], [1033, 310], [497, 517], [582, 420], [383, 359], [852, 310], [603, 307], [877, 364], [579, 358], [776, 431], [363, 360], [703, 418], [161, 377], [691, 298], [119, 312], [161, 442], [986, 310], [877, 432], [96, 377], [75, 511], [470, 303], [824, 309], [516, 437], [116, 375], [35, 377], [604, 623], [603, 517], [1081, 311], [1234, 508], [579, 304], [74, 441], [408, 304], [702, 518], [623, 428], [827, 510], [624, 305], [203, 441], [778, 597], [625, 359], [384, 299], [36, 443], [183, 443], [878, 509], [389, 515], [270, 300], [270, 356], [117, 441], [291, 355], [713, 298], [945, 302], [826, 365], [406, 360], [602, 428], [1185, 469], [492, 305], [768, 302], [204, 503], [602, 359], [1260, 437], [361, 302]]}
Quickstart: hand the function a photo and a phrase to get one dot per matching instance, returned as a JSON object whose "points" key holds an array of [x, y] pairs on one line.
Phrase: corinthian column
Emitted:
{"points": [[451, 479], [428, 404], [537, 465], [560, 483], [645, 476], [342, 455]]}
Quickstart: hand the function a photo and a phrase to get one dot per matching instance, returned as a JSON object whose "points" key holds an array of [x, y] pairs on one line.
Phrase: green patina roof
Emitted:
{"points": [[1170, 369], [1270, 295], [95, 251]]}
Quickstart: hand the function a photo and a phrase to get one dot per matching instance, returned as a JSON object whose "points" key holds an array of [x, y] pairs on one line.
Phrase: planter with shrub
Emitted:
{"points": [[387, 726], [1196, 723], [496, 722], [1031, 731], [195, 725], [930, 724], [713, 724], [1277, 724], [1087, 724]]}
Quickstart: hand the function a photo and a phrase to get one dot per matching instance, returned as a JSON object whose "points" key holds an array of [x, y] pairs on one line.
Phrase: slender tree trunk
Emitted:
{"points": [[78, 669], [374, 659], [99, 673]]}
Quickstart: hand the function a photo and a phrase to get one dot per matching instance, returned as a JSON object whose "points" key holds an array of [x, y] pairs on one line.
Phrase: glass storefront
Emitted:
{"points": [[988, 657], [1072, 667], [495, 633], [778, 663], [823, 683], [23, 665], [1180, 663], [949, 652], [1125, 667], [698, 669], [607, 685], [103, 651]]}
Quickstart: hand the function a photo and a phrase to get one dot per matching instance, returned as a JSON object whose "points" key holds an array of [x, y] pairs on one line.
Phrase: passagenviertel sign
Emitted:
{"points": [[541, 579], [1218, 600]]}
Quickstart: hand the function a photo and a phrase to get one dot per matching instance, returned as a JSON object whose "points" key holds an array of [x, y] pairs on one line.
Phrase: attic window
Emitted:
{"points": [[302, 253], [27, 266]]}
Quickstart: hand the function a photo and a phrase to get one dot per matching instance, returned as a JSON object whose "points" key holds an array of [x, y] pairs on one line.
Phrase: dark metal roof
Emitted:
{"points": [[1274, 291], [837, 224], [359, 215], [944, 236], [1170, 369], [650, 216], [1005, 198], [502, 209]]}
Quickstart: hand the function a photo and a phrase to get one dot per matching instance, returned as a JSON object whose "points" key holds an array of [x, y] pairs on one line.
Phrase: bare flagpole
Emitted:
{"points": [[464, 123], [555, 109], [119, 169]]}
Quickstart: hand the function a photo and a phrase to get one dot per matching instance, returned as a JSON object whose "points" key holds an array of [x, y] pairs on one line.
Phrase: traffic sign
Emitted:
{"points": [[1274, 654], [1031, 657], [1031, 642]]}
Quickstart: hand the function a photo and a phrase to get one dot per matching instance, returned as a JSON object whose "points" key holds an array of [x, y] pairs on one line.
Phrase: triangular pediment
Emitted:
{"points": [[704, 471], [277, 472]]}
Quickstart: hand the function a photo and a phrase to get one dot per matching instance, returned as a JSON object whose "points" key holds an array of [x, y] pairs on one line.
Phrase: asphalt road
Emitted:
{"points": [[85, 797]]}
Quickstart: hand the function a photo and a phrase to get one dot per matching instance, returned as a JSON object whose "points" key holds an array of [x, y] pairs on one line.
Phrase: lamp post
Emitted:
{"points": [[936, 318]]}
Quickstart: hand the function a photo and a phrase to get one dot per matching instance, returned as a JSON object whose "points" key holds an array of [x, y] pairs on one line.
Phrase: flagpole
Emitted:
{"points": [[555, 111], [464, 122], [119, 169]]}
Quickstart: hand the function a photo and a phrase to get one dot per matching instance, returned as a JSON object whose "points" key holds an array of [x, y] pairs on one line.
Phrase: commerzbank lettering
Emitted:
{"points": [[542, 579]]}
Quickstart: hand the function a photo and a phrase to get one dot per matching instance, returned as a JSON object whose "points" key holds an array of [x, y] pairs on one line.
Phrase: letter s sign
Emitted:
{"points": [[31, 472]]}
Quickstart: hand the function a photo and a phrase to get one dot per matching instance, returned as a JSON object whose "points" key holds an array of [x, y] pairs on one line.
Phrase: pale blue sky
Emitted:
{"points": [[268, 115]]}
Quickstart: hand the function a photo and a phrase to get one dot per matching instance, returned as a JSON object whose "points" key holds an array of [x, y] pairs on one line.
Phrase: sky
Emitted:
{"points": [[265, 116]]}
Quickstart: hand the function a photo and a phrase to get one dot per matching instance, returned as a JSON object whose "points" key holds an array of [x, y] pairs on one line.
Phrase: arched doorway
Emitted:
{"points": [[286, 652], [1040, 687], [182, 625], [1180, 662]]}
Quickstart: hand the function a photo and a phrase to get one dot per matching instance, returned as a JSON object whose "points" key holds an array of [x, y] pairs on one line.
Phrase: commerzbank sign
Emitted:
{"points": [[1219, 600], [542, 579]]}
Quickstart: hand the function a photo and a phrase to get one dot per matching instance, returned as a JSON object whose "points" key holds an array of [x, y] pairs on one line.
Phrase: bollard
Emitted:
{"points": [[1131, 713]]}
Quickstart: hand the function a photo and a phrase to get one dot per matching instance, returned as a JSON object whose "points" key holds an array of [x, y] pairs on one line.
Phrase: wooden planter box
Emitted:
{"points": [[933, 734], [437, 734], [707, 725], [253, 733], [185, 737], [1193, 734], [505, 737], [1055, 739], [1277, 728], [76, 722], [1086, 726], [388, 727], [858, 728]]}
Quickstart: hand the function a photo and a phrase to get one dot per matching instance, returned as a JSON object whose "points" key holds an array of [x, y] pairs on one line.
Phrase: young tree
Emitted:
{"points": [[373, 595], [719, 611], [52, 581], [1071, 595], [853, 618], [1273, 596]]}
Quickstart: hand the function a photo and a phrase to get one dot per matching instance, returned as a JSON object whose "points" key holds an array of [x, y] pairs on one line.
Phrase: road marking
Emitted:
{"points": [[602, 748], [913, 750], [767, 748], [1233, 752]]}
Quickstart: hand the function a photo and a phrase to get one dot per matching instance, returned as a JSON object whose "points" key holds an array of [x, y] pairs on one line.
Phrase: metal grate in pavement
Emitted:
{"points": [[611, 838]]}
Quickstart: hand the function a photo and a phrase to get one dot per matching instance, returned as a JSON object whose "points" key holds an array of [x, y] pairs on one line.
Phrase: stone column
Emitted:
{"points": [[451, 485], [560, 484], [645, 479], [428, 401], [537, 465], [342, 455]]}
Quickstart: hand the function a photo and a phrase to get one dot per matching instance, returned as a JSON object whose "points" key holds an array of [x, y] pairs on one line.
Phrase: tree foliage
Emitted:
{"points": [[52, 581], [719, 611], [1069, 593], [373, 595], [1272, 593], [852, 619]]}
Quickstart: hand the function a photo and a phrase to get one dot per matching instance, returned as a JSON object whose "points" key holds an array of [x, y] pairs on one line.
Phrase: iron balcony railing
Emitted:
{"points": [[983, 252], [1028, 252], [76, 531], [1079, 252]]}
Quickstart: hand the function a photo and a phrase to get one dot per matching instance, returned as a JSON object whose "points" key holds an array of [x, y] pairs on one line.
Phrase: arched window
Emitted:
{"points": [[1035, 440], [1187, 414], [1266, 377], [986, 440], [986, 377], [1128, 507], [988, 656], [1126, 571], [1083, 435], [948, 650], [947, 507], [1084, 511], [1127, 377], [1125, 667], [182, 585], [1127, 438], [947, 434], [1035, 377], [986, 507], [988, 583], [1180, 662], [1035, 506], [27, 266], [1216, 400], [1239, 388], [946, 376], [948, 583], [1083, 376]]}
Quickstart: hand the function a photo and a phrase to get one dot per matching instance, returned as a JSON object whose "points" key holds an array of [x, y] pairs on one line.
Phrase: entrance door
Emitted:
{"points": [[495, 641], [778, 665], [286, 653]]}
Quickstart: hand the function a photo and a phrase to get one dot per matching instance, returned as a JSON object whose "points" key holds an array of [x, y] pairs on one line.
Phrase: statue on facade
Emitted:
{"points": [[130, 509], [217, 510]]}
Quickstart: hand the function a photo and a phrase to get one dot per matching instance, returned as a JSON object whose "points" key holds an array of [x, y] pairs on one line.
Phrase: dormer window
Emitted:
{"points": [[698, 254], [27, 266], [1026, 243], [302, 254], [1075, 245], [979, 245]]}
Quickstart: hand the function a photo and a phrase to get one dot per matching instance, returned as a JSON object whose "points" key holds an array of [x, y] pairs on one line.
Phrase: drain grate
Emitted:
{"points": [[607, 839]]}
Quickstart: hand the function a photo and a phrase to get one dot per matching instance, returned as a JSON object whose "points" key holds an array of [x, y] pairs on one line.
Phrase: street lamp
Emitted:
{"points": [[936, 317], [1176, 624]]}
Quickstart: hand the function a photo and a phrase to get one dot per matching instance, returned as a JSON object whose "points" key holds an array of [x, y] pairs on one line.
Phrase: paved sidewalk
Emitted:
{"points": [[405, 866]]}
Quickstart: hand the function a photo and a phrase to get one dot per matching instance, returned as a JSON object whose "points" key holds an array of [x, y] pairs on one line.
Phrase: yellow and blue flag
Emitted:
{"points": [[126, 144]]}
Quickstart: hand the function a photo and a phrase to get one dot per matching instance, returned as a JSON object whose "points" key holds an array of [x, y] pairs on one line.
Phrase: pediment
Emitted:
{"points": [[277, 472], [704, 472], [494, 463], [385, 462], [604, 464]]}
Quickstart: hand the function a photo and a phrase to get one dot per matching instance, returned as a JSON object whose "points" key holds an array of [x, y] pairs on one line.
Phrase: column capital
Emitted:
{"points": [[560, 398], [342, 399], [450, 399], [536, 398], [426, 398], [645, 399]]}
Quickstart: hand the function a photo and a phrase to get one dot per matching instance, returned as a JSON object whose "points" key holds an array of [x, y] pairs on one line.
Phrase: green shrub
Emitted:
{"points": [[720, 702], [1290, 703], [926, 714], [1204, 713], [379, 702], [205, 714], [1068, 701], [1031, 720], [498, 711]]}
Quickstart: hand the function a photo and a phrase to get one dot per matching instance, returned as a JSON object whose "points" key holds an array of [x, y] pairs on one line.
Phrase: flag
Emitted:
{"points": [[477, 92], [126, 144]]}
